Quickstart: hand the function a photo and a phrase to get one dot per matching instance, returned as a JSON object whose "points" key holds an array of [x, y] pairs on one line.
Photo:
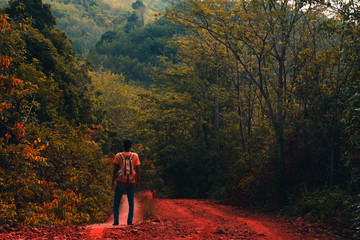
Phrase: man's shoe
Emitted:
{"points": [[115, 224], [130, 224]]}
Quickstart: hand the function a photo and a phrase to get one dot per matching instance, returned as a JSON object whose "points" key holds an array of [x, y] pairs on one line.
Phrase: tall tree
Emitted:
{"points": [[51, 50], [140, 8], [285, 62], [259, 34]]}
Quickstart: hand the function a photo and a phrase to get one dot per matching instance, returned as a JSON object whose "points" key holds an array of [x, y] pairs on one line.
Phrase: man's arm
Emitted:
{"points": [[116, 170], [137, 175]]}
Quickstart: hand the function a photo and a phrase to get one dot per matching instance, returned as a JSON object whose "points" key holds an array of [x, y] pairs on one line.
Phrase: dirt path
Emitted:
{"points": [[186, 219], [204, 219]]}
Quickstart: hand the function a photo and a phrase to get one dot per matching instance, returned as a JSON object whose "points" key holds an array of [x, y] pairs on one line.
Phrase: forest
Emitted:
{"points": [[254, 103]]}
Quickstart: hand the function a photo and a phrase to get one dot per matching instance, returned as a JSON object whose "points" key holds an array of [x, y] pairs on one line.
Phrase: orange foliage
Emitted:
{"points": [[98, 127], [9, 84], [4, 63], [88, 137], [18, 130], [4, 106], [3, 22], [33, 153]]}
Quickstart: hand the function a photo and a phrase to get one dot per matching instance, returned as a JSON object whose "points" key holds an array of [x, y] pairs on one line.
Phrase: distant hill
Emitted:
{"points": [[153, 5], [3, 3], [85, 21]]}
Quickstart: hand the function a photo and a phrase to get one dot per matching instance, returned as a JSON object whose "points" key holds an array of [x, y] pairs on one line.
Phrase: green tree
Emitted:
{"points": [[32, 9], [133, 54], [50, 52], [289, 72], [140, 8], [259, 36]]}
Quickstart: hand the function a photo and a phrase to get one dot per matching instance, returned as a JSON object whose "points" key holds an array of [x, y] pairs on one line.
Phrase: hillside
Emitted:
{"points": [[153, 6], [85, 21]]}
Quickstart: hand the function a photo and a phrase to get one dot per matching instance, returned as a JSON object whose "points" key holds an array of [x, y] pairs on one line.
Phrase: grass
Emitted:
{"points": [[148, 206]]}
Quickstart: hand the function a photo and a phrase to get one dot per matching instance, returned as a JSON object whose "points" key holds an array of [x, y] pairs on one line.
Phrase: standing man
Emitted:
{"points": [[126, 175]]}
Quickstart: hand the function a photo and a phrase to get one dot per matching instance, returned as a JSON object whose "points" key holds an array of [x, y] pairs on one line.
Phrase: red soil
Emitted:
{"points": [[204, 219], [186, 219]]}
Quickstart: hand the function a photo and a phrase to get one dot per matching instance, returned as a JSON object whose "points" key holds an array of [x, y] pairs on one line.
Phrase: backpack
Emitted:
{"points": [[126, 172]]}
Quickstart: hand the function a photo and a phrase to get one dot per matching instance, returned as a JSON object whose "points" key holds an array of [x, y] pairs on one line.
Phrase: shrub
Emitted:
{"points": [[328, 205], [148, 206], [53, 176]]}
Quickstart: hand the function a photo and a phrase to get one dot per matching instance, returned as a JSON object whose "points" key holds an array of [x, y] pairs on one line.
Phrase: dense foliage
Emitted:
{"points": [[273, 87], [50, 170], [135, 52], [83, 21], [86, 20]]}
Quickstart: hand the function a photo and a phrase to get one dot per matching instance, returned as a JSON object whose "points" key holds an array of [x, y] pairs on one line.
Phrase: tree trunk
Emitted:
{"points": [[332, 160], [241, 130]]}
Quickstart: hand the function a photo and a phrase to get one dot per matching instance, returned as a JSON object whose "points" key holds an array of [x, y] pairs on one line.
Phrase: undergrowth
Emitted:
{"points": [[148, 206], [332, 206]]}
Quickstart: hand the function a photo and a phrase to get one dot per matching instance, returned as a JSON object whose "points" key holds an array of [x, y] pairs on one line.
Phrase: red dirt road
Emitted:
{"points": [[204, 219], [186, 219]]}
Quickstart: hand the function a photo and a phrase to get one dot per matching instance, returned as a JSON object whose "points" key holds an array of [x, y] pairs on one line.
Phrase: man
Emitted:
{"points": [[126, 175]]}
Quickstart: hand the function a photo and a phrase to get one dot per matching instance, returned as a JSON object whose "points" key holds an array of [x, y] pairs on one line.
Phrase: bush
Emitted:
{"points": [[327, 205], [7, 211], [148, 206], [255, 187], [53, 176]]}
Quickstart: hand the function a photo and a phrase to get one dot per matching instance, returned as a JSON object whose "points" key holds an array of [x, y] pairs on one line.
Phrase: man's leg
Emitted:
{"points": [[130, 191], [117, 199]]}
